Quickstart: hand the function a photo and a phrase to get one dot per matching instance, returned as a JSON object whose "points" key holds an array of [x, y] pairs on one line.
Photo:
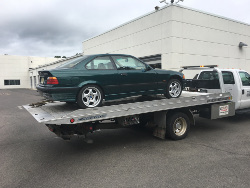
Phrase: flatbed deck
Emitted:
{"points": [[62, 113]]}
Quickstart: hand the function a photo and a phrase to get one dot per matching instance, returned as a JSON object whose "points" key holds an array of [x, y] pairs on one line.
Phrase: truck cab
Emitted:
{"points": [[215, 80]]}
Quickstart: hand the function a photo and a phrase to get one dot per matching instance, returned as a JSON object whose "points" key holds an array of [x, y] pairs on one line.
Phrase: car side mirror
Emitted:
{"points": [[148, 68]]}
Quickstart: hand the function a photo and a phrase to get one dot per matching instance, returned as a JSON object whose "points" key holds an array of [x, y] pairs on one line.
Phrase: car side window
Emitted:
{"points": [[245, 78], [128, 63], [100, 63], [228, 77]]}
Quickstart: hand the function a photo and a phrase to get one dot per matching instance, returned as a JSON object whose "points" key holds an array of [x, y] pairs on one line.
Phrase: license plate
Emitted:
{"points": [[42, 80]]}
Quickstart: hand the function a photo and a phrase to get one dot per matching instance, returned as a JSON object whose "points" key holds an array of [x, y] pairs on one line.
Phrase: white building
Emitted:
{"points": [[178, 36], [14, 72], [169, 38], [22, 71]]}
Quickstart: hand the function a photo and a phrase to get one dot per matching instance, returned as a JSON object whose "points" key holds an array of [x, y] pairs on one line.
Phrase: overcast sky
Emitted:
{"points": [[47, 28]]}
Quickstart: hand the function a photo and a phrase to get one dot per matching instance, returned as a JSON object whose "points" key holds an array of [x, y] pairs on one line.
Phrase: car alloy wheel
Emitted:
{"points": [[90, 96], [174, 89]]}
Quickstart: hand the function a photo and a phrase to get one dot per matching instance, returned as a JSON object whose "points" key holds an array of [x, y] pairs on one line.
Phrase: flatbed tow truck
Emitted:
{"points": [[168, 117]]}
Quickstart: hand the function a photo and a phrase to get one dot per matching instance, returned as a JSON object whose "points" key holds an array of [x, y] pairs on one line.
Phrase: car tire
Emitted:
{"points": [[174, 89], [90, 96], [177, 126]]}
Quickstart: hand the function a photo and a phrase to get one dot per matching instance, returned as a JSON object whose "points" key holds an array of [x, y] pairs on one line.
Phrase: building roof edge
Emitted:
{"points": [[164, 7]]}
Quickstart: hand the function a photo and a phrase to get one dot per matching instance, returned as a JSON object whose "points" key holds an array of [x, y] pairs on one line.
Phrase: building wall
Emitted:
{"points": [[17, 68], [140, 37], [201, 38], [182, 35]]}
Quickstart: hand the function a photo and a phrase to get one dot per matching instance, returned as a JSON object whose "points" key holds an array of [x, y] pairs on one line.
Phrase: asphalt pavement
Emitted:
{"points": [[216, 153]]}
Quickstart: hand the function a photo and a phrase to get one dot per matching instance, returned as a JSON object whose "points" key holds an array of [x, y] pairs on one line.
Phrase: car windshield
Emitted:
{"points": [[73, 62]]}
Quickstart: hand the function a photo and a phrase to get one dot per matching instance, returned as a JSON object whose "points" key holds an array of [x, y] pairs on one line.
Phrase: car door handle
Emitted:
{"points": [[124, 74]]}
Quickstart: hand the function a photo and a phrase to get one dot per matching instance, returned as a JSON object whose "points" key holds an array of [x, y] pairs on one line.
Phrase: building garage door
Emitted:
{"points": [[153, 60]]}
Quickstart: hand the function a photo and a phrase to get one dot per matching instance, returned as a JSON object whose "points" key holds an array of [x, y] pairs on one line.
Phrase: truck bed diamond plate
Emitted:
{"points": [[62, 113]]}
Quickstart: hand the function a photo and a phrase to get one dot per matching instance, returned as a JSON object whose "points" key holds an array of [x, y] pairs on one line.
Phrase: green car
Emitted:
{"points": [[90, 79]]}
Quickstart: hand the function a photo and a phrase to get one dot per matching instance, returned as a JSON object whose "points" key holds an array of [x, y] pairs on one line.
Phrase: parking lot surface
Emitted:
{"points": [[216, 153]]}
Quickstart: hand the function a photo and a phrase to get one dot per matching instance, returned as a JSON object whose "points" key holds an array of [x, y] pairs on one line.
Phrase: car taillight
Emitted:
{"points": [[183, 76], [52, 80]]}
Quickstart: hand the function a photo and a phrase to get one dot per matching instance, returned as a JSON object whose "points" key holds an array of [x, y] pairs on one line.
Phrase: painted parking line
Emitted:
{"points": [[20, 107], [1, 94]]}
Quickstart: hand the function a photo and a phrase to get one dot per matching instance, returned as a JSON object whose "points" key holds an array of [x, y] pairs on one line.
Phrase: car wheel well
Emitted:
{"points": [[176, 77]]}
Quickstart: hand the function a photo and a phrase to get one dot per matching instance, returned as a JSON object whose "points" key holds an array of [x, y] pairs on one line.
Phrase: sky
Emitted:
{"points": [[48, 28]]}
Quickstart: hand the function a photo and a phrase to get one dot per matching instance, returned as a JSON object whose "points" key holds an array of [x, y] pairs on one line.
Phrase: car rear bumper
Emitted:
{"points": [[58, 94]]}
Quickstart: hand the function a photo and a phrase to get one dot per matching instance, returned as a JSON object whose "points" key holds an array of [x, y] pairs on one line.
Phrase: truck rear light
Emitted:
{"points": [[52, 80]]}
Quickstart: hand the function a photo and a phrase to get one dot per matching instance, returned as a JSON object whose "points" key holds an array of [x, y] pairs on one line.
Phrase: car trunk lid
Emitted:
{"points": [[44, 76]]}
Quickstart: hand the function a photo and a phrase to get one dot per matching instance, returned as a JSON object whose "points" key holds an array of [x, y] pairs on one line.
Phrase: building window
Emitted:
{"points": [[154, 60], [11, 82]]}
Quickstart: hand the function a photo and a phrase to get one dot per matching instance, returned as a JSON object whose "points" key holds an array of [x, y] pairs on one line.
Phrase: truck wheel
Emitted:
{"points": [[174, 89], [177, 126], [90, 96]]}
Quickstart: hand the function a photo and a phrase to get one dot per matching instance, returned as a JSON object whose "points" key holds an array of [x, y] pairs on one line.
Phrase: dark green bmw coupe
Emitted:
{"points": [[90, 79]]}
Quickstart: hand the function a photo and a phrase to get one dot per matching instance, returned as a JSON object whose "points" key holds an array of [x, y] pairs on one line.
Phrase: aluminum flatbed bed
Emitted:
{"points": [[62, 113]]}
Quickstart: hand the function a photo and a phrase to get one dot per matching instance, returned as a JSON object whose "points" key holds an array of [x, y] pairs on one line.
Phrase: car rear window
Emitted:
{"points": [[73, 62]]}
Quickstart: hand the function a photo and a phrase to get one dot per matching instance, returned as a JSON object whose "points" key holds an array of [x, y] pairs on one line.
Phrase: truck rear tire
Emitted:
{"points": [[177, 126]]}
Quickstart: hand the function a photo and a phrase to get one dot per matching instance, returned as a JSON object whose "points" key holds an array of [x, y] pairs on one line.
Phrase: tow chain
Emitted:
{"points": [[37, 104]]}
